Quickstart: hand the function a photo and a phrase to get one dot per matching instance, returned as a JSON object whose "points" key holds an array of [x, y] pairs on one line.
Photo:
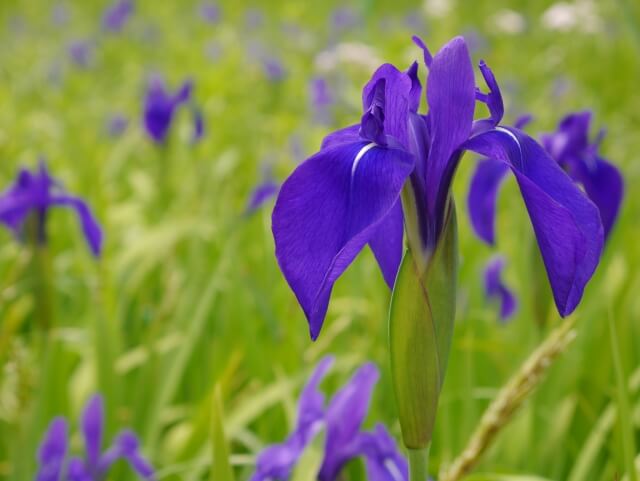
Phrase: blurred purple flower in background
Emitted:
{"points": [[344, 18], [569, 145], [54, 464], [342, 421], [60, 14], [264, 191], [81, 53], [116, 125], [273, 68], [35, 193], [198, 125], [115, 16], [253, 18], [160, 107], [495, 289], [210, 12]]}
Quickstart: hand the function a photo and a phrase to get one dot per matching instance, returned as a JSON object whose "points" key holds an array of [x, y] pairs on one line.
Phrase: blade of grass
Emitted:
{"points": [[221, 469], [625, 420]]}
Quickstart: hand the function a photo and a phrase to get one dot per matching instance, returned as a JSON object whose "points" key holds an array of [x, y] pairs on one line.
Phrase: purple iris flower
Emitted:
{"points": [[36, 192], [344, 18], [570, 147], [160, 107], [496, 289], [115, 16], [348, 194], [342, 421], [56, 465], [60, 14]]}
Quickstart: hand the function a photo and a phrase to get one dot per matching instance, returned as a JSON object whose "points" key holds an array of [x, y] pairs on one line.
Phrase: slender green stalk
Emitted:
{"points": [[625, 418], [418, 461], [41, 273]]}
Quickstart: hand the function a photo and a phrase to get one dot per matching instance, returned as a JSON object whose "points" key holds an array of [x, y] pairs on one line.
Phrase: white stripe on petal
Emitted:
{"points": [[363, 151]]}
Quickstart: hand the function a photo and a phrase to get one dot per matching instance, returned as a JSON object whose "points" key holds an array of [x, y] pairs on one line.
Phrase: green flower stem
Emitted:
{"points": [[418, 461], [41, 274]]}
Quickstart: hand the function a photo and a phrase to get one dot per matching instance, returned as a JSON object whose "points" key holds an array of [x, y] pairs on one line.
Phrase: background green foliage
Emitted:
{"points": [[188, 294]]}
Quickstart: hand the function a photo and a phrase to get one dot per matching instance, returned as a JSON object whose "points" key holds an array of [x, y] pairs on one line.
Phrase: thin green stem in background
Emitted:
{"points": [[418, 461], [625, 419]]}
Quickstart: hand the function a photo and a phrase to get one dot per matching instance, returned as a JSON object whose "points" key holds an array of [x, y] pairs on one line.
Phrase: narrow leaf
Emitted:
{"points": [[221, 464]]}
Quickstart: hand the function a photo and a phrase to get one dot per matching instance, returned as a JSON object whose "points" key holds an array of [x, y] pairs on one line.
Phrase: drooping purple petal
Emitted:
{"points": [[567, 224], [327, 210], [53, 451], [483, 192], [92, 425], [383, 460], [386, 244], [90, 227], [198, 125], [129, 448], [496, 289], [451, 99], [345, 413]]}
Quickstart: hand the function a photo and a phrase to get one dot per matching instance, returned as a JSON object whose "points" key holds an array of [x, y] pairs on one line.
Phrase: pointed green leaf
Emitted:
{"points": [[420, 328], [309, 464]]}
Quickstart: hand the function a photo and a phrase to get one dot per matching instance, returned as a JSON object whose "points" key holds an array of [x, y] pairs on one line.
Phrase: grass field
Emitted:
{"points": [[187, 295]]}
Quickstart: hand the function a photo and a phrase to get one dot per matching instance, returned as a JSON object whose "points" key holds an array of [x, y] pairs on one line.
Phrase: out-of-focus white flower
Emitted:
{"points": [[566, 16], [508, 21], [351, 53], [437, 8]]}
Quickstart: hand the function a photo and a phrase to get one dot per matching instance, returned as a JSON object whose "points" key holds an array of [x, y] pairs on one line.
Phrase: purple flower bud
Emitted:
{"points": [[115, 17]]}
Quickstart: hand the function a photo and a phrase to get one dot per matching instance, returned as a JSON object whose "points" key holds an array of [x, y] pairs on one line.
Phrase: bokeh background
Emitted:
{"points": [[187, 294]]}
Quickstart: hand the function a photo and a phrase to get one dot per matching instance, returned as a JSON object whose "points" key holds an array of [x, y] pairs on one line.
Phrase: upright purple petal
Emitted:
{"points": [[451, 99], [397, 95], [277, 461], [567, 224], [327, 210], [483, 192], [53, 451], [77, 471], [344, 417], [92, 425], [496, 289]]}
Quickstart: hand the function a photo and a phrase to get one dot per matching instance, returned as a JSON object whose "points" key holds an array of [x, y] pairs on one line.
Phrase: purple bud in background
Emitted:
{"points": [[198, 125], [495, 288], [210, 12], [321, 99], [115, 17], [81, 53], [260, 195]]}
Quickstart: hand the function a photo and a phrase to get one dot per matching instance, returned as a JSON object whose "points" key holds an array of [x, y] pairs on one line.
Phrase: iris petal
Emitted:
{"points": [[344, 416], [90, 227], [496, 289], [451, 99], [386, 244], [482, 197], [327, 210], [567, 224], [92, 425]]}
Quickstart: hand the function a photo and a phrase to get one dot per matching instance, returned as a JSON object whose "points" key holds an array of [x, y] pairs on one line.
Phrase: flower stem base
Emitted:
{"points": [[418, 460]]}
